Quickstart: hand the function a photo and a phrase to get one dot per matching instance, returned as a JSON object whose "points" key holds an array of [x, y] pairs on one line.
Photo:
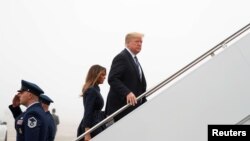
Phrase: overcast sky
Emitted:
{"points": [[54, 42]]}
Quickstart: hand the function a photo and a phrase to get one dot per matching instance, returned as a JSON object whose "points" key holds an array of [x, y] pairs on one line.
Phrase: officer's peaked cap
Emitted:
{"points": [[30, 87], [45, 99]]}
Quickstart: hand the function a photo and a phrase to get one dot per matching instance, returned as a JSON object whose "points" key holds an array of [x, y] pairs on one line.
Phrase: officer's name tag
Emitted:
{"points": [[19, 122]]}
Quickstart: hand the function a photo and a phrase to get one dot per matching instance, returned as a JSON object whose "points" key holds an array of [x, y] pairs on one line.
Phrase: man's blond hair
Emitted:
{"points": [[131, 35]]}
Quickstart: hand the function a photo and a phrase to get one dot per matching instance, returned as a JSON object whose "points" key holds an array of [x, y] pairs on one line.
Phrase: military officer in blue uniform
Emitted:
{"points": [[45, 101], [30, 125]]}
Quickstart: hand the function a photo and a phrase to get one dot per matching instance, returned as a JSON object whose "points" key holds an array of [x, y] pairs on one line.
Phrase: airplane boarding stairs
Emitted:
{"points": [[216, 92]]}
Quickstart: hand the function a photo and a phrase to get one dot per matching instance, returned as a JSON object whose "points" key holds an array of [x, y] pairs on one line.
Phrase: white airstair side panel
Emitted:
{"points": [[217, 92]]}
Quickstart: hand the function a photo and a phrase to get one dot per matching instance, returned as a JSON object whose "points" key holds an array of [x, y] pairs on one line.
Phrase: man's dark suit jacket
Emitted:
{"points": [[124, 78]]}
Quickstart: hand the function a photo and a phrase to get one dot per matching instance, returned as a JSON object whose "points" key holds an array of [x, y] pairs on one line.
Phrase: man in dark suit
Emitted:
{"points": [[56, 118], [126, 78], [31, 125]]}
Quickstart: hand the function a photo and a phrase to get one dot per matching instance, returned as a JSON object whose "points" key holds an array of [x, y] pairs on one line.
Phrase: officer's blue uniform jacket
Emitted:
{"points": [[31, 125], [52, 127]]}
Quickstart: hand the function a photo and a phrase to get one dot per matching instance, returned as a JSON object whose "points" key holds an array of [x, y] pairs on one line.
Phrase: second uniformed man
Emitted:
{"points": [[45, 102]]}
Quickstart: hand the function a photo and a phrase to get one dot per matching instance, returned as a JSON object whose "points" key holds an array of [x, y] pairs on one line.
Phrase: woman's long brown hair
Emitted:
{"points": [[92, 77]]}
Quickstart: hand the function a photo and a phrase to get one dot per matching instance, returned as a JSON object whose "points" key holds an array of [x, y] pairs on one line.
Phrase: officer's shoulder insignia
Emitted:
{"points": [[32, 122]]}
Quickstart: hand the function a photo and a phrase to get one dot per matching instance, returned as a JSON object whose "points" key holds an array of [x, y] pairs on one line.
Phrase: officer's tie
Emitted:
{"points": [[139, 67]]}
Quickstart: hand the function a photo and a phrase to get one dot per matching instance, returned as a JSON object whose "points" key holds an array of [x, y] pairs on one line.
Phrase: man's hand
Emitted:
{"points": [[16, 101], [131, 99]]}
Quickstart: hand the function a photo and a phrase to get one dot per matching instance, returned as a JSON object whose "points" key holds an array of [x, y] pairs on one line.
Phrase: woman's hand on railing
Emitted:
{"points": [[87, 136]]}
